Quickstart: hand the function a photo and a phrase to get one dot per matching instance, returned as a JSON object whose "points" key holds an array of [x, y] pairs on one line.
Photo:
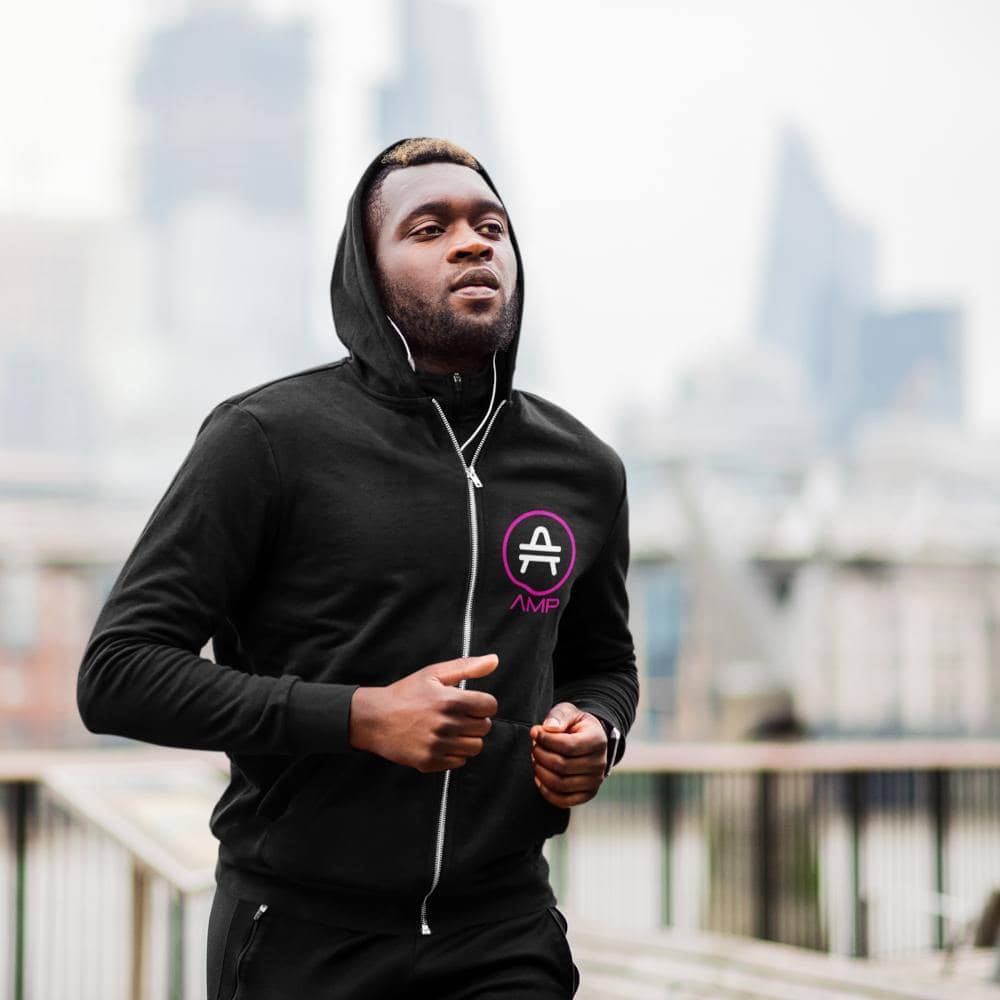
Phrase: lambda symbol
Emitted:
{"points": [[536, 550]]}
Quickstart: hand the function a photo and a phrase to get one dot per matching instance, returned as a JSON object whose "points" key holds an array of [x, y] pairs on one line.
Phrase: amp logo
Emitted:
{"points": [[538, 553]]}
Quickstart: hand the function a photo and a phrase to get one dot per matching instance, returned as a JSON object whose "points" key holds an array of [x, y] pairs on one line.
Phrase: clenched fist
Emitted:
{"points": [[423, 720], [569, 753]]}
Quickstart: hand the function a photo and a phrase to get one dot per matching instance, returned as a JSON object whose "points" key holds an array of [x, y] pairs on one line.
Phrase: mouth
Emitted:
{"points": [[475, 292], [477, 283]]}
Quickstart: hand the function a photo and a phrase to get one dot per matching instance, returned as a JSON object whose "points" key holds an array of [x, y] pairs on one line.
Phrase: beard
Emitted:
{"points": [[434, 330]]}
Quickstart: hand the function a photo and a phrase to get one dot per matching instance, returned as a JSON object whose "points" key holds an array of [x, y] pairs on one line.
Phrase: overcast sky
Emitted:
{"points": [[640, 142]]}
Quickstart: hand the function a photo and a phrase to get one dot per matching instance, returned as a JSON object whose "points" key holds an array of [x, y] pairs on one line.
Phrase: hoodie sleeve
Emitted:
{"points": [[594, 658], [141, 675]]}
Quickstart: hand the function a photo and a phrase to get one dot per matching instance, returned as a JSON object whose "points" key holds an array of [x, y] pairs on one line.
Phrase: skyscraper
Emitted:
{"points": [[223, 183], [225, 100], [818, 304], [818, 281]]}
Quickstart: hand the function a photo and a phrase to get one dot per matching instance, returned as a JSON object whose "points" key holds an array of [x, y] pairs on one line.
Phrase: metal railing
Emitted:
{"points": [[857, 849], [109, 871], [868, 849]]}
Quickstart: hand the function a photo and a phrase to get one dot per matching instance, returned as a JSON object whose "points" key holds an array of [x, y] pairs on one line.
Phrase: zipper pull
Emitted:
{"points": [[471, 473], [261, 910], [424, 929], [456, 377]]}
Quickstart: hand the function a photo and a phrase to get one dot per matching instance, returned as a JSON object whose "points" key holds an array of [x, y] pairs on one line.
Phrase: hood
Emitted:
{"points": [[377, 351]]}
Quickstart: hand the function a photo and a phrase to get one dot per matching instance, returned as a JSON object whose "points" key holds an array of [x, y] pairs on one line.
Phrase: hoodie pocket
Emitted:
{"points": [[278, 797], [355, 821], [498, 809]]}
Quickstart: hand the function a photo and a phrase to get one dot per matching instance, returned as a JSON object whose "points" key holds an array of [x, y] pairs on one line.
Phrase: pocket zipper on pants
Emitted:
{"points": [[472, 482], [261, 910]]}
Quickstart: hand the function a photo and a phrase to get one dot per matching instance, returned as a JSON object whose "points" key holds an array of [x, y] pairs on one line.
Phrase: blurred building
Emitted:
{"points": [[818, 304], [223, 186], [224, 95], [893, 607], [912, 360], [857, 594], [710, 471], [818, 279], [48, 404], [59, 556], [816, 538]]}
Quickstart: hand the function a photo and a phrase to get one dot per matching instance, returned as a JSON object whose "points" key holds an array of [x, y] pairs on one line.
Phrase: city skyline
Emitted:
{"points": [[908, 152]]}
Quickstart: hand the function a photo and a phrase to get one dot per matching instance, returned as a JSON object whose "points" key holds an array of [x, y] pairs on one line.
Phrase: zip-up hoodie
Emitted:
{"points": [[326, 531]]}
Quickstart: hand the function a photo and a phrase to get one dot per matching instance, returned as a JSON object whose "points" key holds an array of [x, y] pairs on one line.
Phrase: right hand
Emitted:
{"points": [[423, 720]]}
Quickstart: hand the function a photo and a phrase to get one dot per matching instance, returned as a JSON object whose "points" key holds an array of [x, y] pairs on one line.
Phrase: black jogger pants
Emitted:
{"points": [[258, 953]]}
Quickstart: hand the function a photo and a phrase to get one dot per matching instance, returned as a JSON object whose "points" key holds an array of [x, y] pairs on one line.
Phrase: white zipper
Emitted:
{"points": [[472, 482]]}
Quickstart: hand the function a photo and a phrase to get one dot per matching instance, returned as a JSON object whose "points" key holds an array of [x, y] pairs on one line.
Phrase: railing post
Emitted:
{"points": [[176, 991], [19, 797], [856, 818], [937, 782], [666, 785], [765, 867], [140, 908]]}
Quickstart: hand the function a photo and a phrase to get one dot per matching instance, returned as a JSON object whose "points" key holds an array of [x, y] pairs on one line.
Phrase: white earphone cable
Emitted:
{"points": [[493, 393], [488, 408], [409, 357]]}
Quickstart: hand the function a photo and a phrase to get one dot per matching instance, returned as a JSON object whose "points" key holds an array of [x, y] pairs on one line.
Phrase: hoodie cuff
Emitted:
{"points": [[608, 718], [318, 717]]}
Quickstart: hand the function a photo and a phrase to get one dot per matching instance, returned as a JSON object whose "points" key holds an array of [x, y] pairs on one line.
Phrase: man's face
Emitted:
{"points": [[444, 227]]}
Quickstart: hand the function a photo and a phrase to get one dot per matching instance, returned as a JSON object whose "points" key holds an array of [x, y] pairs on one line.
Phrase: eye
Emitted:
{"points": [[424, 230]]}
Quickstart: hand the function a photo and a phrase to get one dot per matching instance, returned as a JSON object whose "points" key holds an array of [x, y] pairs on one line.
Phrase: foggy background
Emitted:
{"points": [[760, 246]]}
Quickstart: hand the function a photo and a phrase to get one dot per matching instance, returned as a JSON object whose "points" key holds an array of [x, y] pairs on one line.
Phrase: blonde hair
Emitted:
{"points": [[411, 152]]}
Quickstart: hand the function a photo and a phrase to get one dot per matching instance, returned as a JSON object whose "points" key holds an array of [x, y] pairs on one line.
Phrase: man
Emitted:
{"points": [[347, 536]]}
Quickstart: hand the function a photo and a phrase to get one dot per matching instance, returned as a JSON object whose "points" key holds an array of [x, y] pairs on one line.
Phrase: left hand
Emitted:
{"points": [[569, 753]]}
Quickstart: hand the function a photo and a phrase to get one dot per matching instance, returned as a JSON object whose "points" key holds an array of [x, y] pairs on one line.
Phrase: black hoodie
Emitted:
{"points": [[326, 532]]}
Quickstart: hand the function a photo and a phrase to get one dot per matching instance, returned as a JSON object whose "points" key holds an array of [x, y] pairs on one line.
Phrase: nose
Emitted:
{"points": [[470, 243]]}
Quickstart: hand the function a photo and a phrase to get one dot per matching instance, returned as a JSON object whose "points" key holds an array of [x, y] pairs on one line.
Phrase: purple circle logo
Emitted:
{"points": [[539, 551]]}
